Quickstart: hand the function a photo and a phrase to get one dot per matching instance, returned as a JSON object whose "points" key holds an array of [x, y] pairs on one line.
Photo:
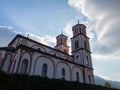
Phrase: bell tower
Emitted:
{"points": [[81, 51], [80, 45], [61, 43]]}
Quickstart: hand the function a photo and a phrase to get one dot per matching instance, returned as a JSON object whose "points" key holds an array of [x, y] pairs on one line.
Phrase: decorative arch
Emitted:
{"points": [[7, 62], [83, 29], [59, 67], [78, 58], [63, 73], [87, 60], [85, 45], [23, 42], [76, 43], [77, 73], [77, 67], [44, 70], [16, 62], [77, 77], [24, 66], [25, 55], [89, 76], [39, 61], [75, 31], [13, 62]]}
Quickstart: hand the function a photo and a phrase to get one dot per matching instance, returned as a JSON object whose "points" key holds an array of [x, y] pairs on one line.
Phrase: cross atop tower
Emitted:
{"points": [[28, 35], [61, 32]]}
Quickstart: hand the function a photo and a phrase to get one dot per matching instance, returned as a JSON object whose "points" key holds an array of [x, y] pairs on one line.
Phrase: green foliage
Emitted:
{"points": [[25, 82], [107, 84]]}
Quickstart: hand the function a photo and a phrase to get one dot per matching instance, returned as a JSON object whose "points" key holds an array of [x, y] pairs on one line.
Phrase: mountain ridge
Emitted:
{"points": [[101, 81]]}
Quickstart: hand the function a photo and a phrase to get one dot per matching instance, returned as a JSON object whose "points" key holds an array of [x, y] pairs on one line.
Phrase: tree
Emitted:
{"points": [[107, 84]]}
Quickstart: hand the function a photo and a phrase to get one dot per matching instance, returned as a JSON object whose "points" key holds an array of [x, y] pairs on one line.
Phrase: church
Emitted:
{"points": [[26, 56]]}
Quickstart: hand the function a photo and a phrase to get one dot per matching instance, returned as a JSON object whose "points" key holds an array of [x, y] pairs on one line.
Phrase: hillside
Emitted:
{"points": [[25, 82], [101, 81]]}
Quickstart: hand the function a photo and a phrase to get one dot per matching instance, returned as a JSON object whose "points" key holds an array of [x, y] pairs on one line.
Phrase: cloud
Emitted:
{"points": [[7, 33], [46, 39], [68, 29], [103, 17], [7, 27], [103, 29]]}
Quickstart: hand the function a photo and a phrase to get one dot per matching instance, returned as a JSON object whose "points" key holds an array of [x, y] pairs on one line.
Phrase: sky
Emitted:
{"points": [[45, 19]]}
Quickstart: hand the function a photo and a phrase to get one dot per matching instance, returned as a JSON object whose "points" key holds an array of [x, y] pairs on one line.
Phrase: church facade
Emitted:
{"points": [[26, 56]]}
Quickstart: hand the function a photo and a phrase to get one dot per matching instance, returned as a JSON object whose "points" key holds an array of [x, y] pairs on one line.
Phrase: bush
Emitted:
{"points": [[107, 84], [26, 82]]}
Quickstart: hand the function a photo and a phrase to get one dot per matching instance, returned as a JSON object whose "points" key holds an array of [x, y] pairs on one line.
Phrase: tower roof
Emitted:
{"points": [[79, 25], [61, 35]]}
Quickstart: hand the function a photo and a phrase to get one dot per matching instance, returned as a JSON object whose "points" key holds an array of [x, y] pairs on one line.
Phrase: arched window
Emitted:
{"points": [[89, 79], [87, 61], [77, 56], [63, 73], [23, 43], [24, 66], [85, 44], [75, 31], [44, 70], [61, 40], [76, 44], [54, 54], [38, 49], [79, 30], [77, 76]]}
